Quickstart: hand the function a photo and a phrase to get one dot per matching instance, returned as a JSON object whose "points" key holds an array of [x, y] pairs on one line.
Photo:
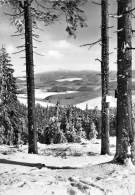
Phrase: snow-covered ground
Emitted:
{"points": [[96, 102], [44, 104], [92, 103], [40, 95], [133, 79], [69, 169], [69, 79], [22, 78], [133, 98]]}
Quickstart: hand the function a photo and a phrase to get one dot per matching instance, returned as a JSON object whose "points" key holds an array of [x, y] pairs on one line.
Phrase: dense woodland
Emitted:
{"points": [[57, 125]]}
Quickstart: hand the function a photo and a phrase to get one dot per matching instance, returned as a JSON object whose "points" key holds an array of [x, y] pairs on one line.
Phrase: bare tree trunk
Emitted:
{"points": [[124, 131], [105, 78], [32, 148], [132, 142]]}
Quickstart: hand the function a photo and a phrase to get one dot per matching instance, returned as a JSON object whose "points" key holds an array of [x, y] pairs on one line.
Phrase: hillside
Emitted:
{"points": [[83, 85]]}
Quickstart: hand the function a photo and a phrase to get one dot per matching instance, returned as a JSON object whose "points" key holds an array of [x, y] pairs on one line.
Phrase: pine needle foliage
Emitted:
{"points": [[9, 114]]}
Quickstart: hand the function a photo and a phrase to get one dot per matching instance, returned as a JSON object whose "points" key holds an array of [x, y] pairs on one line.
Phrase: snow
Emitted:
{"points": [[92, 103], [96, 102], [70, 169], [120, 30], [44, 104], [112, 80], [115, 16], [133, 99], [69, 79], [40, 95], [22, 78]]}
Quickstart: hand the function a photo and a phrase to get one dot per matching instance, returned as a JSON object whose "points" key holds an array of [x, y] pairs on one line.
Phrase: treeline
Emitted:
{"points": [[55, 125], [70, 124]]}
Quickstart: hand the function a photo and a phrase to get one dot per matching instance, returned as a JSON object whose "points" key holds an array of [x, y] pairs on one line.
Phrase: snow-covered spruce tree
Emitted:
{"points": [[9, 119], [124, 130], [8, 81]]}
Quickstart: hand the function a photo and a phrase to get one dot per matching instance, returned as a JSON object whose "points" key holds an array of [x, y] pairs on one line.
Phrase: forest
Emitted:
{"points": [[63, 149]]}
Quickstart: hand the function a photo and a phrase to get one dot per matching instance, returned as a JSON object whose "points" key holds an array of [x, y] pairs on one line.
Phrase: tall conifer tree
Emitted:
{"points": [[9, 119]]}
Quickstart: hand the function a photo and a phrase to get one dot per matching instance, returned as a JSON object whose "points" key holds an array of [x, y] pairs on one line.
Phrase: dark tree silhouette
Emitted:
{"points": [[105, 77], [104, 40], [30, 78], [125, 134]]}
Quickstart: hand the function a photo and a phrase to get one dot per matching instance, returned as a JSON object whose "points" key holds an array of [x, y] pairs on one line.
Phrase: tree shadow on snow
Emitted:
{"points": [[37, 165]]}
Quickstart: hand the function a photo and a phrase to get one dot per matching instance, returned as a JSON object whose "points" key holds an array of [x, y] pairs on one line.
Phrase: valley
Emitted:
{"points": [[70, 88]]}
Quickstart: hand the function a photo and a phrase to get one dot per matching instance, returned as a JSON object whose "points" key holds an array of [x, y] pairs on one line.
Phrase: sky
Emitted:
{"points": [[61, 52]]}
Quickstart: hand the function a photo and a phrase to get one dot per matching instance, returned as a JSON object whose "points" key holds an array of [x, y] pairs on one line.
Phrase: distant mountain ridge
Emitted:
{"points": [[88, 87]]}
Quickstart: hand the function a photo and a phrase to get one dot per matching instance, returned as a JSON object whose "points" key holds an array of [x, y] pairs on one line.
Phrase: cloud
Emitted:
{"points": [[55, 54], [10, 49], [62, 44]]}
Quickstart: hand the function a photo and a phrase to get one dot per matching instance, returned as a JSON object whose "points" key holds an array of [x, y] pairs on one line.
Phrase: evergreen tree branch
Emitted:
{"points": [[91, 44]]}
